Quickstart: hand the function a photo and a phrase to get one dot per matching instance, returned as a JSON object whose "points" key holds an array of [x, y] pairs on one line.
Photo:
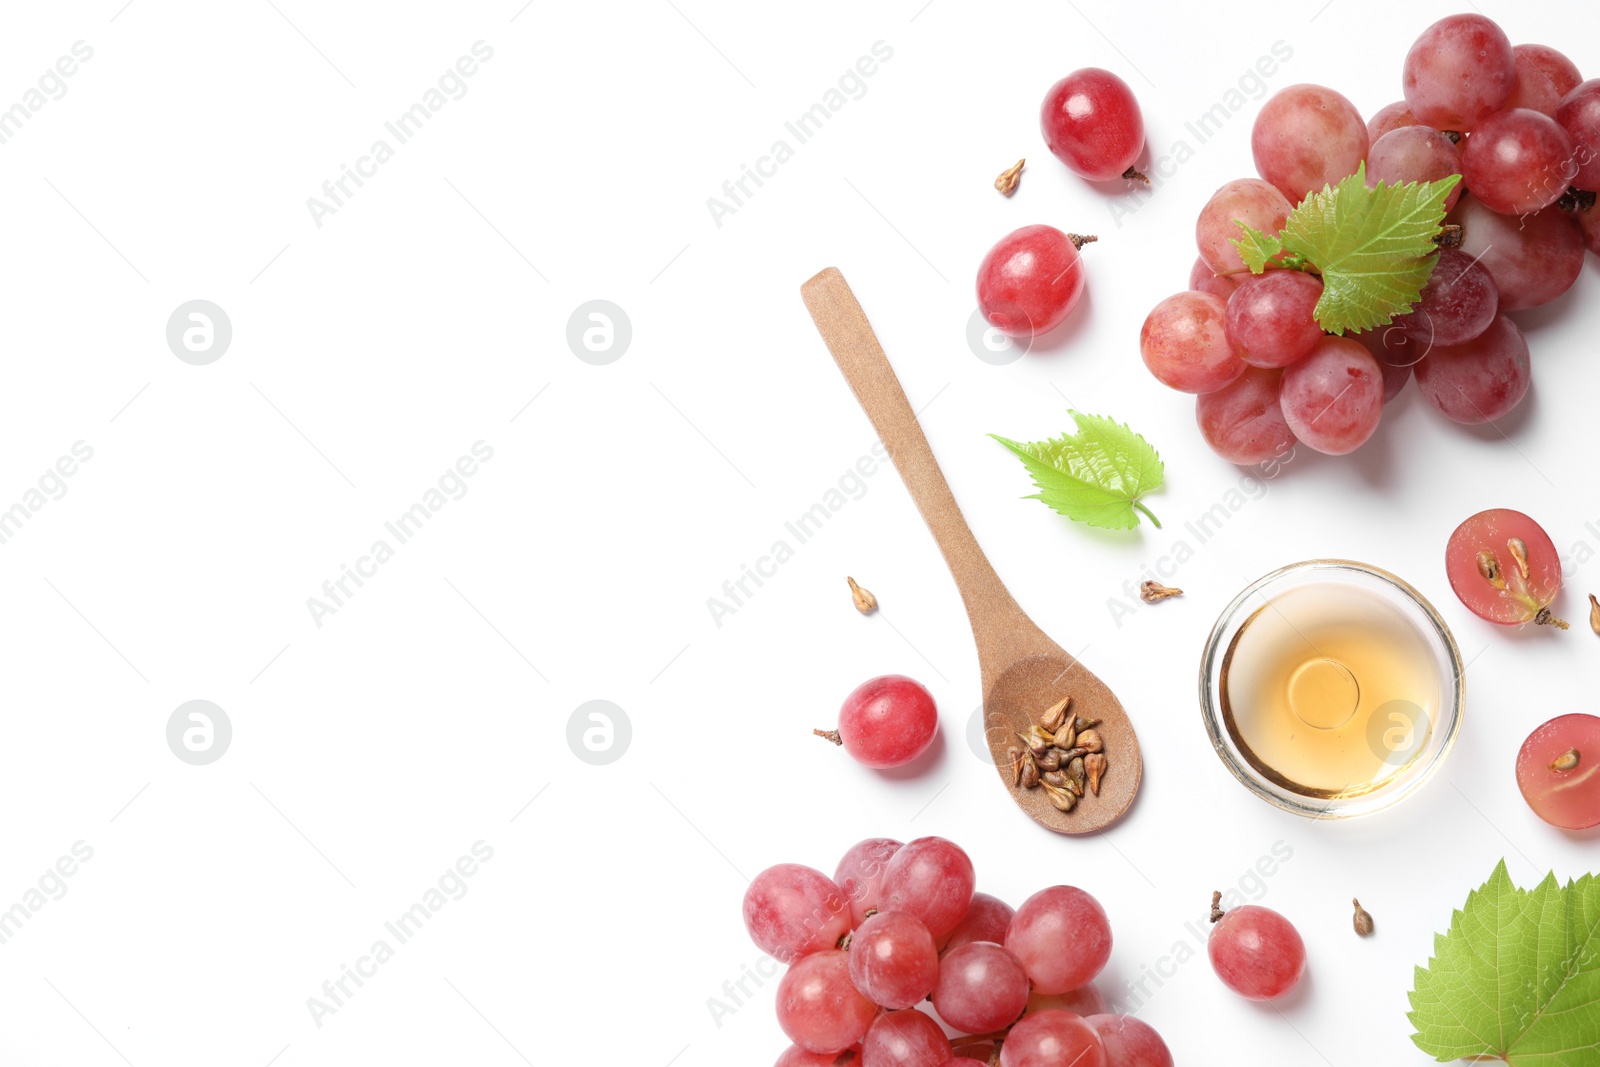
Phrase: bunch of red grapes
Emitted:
{"points": [[1523, 131], [900, 925]]}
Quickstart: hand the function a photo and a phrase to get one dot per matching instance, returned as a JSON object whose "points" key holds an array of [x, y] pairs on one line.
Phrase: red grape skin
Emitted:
{"points": [[904, 1039], [893, 960], [1414, 154], [1305, 137], [963, 1061], [1053, 1039], [1086, 1000], [792, 910], [1544, 76], [987, 919], [1533, 259], [1203, 279], [1062, 938], [1333, 398], [1589, 227], [1389, 117], [1521, 598], [1271, 316], [1579, 116], [931, 879], [1518, 161], [1457, 304], [818, 1008], [1256, 203], [981, 988], [1569, 798], [1480, 380], [1030, 281], [1185, 343], [1243, 422], [1092, 123], [1256, 952], [888, 721], [795, 1056], [1460, 71], [1130, 1042], [860, 874], [1394, 352]]}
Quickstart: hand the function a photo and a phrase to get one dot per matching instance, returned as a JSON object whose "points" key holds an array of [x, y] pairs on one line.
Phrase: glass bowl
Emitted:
{"points": [[1299, 728]]}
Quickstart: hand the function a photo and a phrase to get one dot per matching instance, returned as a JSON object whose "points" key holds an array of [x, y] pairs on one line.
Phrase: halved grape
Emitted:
{"points": [[1532, 258], [1389, 117], [1305, 137], [1558, 771], [1053, 1039], [1414, 154], [1252, 201], [1480, 380], [1243, 421], [1518, 161], [1185, 343], [1333, 398], [1579, 115], [818, 1008], [1544, 76], [1203, 279], [1481, 559], [1062, 938], [1256, 952], [1458, 303], [1460, 71], [1272, 317]]}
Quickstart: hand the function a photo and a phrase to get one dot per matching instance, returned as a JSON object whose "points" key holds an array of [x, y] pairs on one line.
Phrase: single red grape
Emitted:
{"points": [[1460, 71], [987, 919], [1544, 76], [1271, 316], [1458, 303], [1578, 115], [1558, 771], [1389, 117], [1255, 203], [981, 988], [1306, 137], [1518, 161], [860, 874], [1053, 1039], [1481, 562], [1414, 154], [1532, 258], [1184, 342], [1092, 123], [1062, 938], [792, 910], [1333, 398], [818, 1008], [1243, 421], [931, 879], [1478, 380], [1256, 952], [1130, 1042], [904, 1039], [886, 721], [1030, 281], [893, 960]]}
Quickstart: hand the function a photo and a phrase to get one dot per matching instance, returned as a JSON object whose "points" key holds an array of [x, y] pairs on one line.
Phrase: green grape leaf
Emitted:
{"points": [[1373, 247], [1517, 978], [1255, 247], [1095, 476]]}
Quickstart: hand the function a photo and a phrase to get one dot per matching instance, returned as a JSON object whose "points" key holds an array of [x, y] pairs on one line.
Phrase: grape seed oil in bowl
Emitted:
{"points": [[1334, 686]]}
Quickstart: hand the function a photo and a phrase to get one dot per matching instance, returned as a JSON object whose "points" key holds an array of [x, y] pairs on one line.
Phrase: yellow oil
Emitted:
{"points": [[1330, 691]]}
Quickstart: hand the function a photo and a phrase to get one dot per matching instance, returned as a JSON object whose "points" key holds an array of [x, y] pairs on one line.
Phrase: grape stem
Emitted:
{"points": [[1148, 514]]}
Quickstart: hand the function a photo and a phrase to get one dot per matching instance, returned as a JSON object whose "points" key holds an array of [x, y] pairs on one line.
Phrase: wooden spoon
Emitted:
{"points": [[1023, 671]]}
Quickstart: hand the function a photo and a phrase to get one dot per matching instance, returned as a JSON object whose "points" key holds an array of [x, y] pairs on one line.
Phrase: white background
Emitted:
{"points": [[368, 354]]}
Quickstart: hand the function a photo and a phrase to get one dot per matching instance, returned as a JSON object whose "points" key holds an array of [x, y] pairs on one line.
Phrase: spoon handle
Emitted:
{"points": [[998, 624]]}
